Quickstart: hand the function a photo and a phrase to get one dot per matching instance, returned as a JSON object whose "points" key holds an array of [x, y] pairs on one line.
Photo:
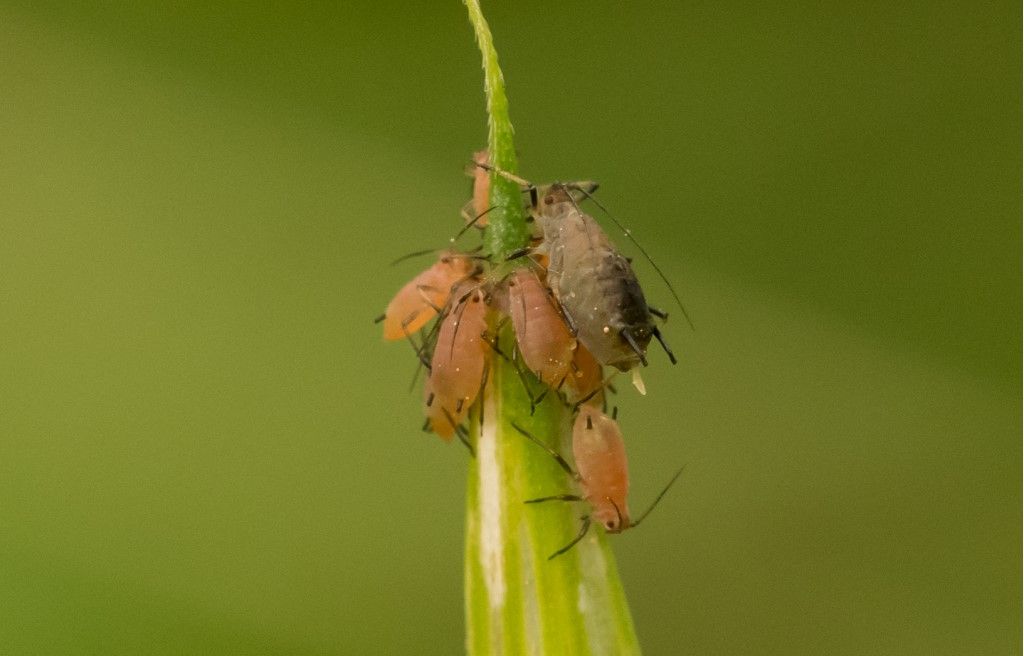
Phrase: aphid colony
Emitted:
{"points": [[575, 306]]}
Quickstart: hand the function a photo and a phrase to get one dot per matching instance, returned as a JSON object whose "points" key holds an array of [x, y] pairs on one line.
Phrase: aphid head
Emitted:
{"points": [[611, 517], [553, 200]]}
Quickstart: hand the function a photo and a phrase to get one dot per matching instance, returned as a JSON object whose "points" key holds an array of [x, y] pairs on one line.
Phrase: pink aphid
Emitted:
{"points": [[600, 455], [544, 340], [421, 298], [586, 377], [481, 188], [459, 363], [602, 473]]}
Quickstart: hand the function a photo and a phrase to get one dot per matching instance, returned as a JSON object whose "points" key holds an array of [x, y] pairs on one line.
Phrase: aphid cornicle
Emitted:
{"points": [[421, 298], [544, 340], [601, 471], [459, 361]]}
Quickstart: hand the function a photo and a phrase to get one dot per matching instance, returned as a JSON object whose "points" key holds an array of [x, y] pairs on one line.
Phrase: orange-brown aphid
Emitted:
{"points": [[481, 188], [544, 340], [602, 473], [586, 377], [459, 362], [421, 298], [600, 455]]}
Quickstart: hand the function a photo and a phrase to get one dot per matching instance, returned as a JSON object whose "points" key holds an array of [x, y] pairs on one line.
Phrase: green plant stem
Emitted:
{"points": [[518, 601]]}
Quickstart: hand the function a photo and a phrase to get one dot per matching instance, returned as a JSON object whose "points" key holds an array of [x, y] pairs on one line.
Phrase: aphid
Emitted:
{"points": [[475, 210], [595, 284], [544, 340], [598, 291], [423, 297], [586, 378], [603, 475], [459, 363]]}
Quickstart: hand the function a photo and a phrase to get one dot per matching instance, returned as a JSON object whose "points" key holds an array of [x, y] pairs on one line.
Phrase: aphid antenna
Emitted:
{"points": [[471, 223], [618, 513], [629, 235], [657, 499], [582, 534], [460, 308], [554, 454], [422, 291], [409, 256]]}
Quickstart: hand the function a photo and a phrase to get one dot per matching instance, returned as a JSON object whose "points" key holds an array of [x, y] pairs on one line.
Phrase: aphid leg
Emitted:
{"points": [[483, 382], [532, 188], [628, 336], [576, 406], [554, 454], [615, 413], [426, 426], [647, 512], [463, 435], [583, 532], [460, 431], [516, 254], [661, 314], [492, 341], [380, 318], [547, 389], [565, 317], [661, 340], [526, 383], [556, 497], [420, 351]]}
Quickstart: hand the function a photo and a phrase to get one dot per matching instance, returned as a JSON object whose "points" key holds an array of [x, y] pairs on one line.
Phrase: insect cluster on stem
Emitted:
{"points": [[575, 306]]}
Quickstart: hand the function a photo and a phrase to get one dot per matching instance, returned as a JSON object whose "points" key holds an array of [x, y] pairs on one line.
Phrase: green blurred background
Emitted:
{"points": [[206, 448]]}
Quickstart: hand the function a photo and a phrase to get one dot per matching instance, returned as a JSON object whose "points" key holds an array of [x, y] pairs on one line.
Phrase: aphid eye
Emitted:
{"points": [[610, 525], [548, 200]]}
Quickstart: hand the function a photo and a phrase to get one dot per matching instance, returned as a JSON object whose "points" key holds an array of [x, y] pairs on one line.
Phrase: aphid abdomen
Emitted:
{"points": [[543, 338], [600, 454], [457, 366], [597, 289], [415, 304], [585, 377]]}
